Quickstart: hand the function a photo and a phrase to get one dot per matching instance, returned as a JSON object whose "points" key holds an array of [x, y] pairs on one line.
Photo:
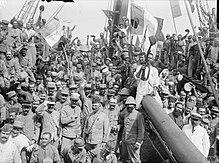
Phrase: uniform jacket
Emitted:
{"points": [[133, 128], [71, 122], [99, 131]]}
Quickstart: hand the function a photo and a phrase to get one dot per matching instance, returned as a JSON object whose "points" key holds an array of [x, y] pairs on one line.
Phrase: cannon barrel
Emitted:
{"points": [[182, 148]]}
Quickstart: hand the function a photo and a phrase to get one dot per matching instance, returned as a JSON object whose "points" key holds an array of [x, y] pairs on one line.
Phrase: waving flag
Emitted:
{"points": [[159, 34], [175, 8], [137, 19], [50, 27]]}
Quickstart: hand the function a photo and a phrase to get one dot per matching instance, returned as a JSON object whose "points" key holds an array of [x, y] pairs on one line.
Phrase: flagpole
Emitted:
{"points": [[202, 56]]}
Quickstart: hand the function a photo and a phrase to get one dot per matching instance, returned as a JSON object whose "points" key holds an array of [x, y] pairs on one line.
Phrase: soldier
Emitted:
{"points": [[50, 120], [96, 129], [176, 115], [13, 67], [133, 133], [197, 134], [64, 95], [3, 41], [29, 120], [113, 111], [71, 122], [76, 152], [8, 150], [4, 78], [25, 64], [13, 102], [45, 152], [51, 89]]}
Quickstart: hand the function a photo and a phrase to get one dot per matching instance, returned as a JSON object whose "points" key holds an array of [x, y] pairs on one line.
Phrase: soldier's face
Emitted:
{"points": [[130, 108], [195, 122], [15, 132], [4, 136], [51, 108], [112, 105], [64, 97], [8, 56], [95, 107], [45, 140], [26, 109]]}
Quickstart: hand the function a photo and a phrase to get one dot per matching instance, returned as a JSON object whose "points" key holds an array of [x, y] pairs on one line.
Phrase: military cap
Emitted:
{"points": [[88, 86], [111, 92], [65, 91], [51, 100], [51, 85], [215, 109], [79, 142], [102, 86], [11, 94], [39, 77], [196, 116], [94, 64], [108, 59], [73, 86], [113, 100], [96, 99], [75, 96], [5, 22], [124, 91], [13, 110], [77, 78], [42, 96], [130, 100], [26, 103], [18, 124], [54, 74], [6, 128]]}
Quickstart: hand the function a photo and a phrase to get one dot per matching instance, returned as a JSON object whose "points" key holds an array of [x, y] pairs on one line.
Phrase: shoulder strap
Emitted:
{"points": [[93, 123]]}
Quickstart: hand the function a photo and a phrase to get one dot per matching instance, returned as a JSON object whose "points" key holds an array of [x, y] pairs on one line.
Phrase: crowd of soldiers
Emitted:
{"points": [[80, 103]]}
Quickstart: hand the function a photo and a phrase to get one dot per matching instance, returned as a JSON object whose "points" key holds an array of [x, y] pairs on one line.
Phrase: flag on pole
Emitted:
{"points": [[175, 8], [192, 6], [50, 27], [54, 37], [137, 19], [110, 13], [159, 34]]}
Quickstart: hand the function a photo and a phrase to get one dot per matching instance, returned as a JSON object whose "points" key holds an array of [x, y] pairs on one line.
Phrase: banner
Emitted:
{"points": [[175, 8], [137, 19]]}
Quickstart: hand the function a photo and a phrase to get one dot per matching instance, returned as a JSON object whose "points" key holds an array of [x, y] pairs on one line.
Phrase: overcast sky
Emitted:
{"points": [[89, 18]]}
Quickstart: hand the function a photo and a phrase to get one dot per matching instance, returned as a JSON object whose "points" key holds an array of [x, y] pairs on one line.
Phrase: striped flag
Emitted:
{"points": [[50, 27], [175, 8]]}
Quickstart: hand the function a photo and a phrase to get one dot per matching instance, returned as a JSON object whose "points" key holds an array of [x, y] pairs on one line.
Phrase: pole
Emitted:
{"points": [[174, 22], [202, 56]]}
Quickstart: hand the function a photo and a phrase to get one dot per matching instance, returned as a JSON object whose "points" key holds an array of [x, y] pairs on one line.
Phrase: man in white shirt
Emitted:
{"points": [[147, 80], [197, 134], [8, 150]]}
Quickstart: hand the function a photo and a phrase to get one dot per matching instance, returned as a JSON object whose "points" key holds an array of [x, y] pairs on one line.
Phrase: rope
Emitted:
{"points": [[163, 143], [56, 13]]}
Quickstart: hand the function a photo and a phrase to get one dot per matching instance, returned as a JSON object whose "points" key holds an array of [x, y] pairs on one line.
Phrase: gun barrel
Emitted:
{"points": [[183, 149]]}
